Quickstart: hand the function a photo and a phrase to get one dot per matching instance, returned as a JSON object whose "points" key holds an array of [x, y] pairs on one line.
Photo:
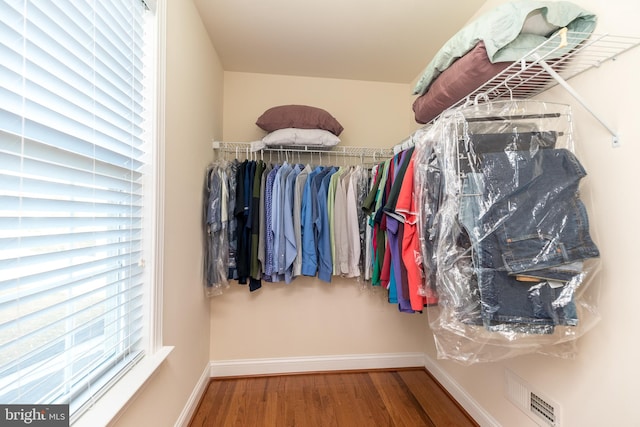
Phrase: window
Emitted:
{"points": [[75, 179]]}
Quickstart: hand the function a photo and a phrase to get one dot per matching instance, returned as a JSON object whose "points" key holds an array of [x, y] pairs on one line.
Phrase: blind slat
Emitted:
{"points": [[110, 305], [11, 226], [51, 207], [50, 262], [42, 244], [28, 287], [79, 169]]}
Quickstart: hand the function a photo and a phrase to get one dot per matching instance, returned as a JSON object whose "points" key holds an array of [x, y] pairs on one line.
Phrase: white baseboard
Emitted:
{"points": [[470, 405], [192, 404], [226, 368]]}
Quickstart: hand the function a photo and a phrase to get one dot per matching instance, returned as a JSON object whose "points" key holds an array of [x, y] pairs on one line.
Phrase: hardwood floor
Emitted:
{"points": [[403, 397]]}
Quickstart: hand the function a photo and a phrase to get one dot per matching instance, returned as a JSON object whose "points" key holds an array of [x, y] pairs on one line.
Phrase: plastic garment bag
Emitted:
{"points": [[216, 221], [506, 235]]}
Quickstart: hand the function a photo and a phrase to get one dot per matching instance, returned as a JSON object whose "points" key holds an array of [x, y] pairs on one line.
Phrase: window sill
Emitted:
{"points": [[109, 406]]}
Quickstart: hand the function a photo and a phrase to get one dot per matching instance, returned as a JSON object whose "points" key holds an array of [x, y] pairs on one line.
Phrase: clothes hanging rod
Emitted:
{"points": [[256, 147], [512, 117]]}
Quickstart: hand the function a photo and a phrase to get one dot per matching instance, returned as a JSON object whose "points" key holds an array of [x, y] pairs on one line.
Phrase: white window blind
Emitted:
{"points": [[73, 159]]}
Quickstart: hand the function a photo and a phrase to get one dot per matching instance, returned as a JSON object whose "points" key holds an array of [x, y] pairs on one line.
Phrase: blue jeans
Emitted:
{"points": [[525, 221], [535, 211]]}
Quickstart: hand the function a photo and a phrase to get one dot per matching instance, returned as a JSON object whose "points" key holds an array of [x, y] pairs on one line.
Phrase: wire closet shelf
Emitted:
{"points": [[249, 149], [552, 63], [528, 77]]}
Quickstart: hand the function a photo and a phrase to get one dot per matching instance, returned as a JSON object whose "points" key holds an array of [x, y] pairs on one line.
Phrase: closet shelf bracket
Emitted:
{"points": [[615, 141]]}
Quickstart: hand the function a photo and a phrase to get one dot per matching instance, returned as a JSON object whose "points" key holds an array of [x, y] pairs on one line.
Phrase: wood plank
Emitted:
{"points": [[441, 407], [403, 407]]}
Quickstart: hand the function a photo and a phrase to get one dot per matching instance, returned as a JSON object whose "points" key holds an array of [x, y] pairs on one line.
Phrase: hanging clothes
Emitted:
{"points": [[216, 238], [506, 237], [255, 281], [309, 239], [280, 220], [231, 171], [300, 183], [291, 219]]}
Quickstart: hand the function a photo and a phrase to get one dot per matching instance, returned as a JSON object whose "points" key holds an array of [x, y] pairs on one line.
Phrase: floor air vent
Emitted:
{"points": [[538, 407]]}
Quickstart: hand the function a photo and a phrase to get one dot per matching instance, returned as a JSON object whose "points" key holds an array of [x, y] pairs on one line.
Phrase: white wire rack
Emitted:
{"points": [[250, 149], [553, 63]]}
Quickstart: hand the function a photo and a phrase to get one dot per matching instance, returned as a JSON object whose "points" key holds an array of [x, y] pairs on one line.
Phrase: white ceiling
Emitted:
{"points": [[374, 40]]}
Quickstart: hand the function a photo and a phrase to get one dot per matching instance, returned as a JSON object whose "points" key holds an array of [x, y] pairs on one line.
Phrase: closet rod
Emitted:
{"points": [[512, 117], [253, 147]]}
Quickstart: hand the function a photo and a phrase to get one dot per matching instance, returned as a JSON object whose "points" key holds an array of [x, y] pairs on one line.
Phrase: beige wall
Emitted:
{"points": [[310, 317], [372, 114], [193, 117], [599, 387]]}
